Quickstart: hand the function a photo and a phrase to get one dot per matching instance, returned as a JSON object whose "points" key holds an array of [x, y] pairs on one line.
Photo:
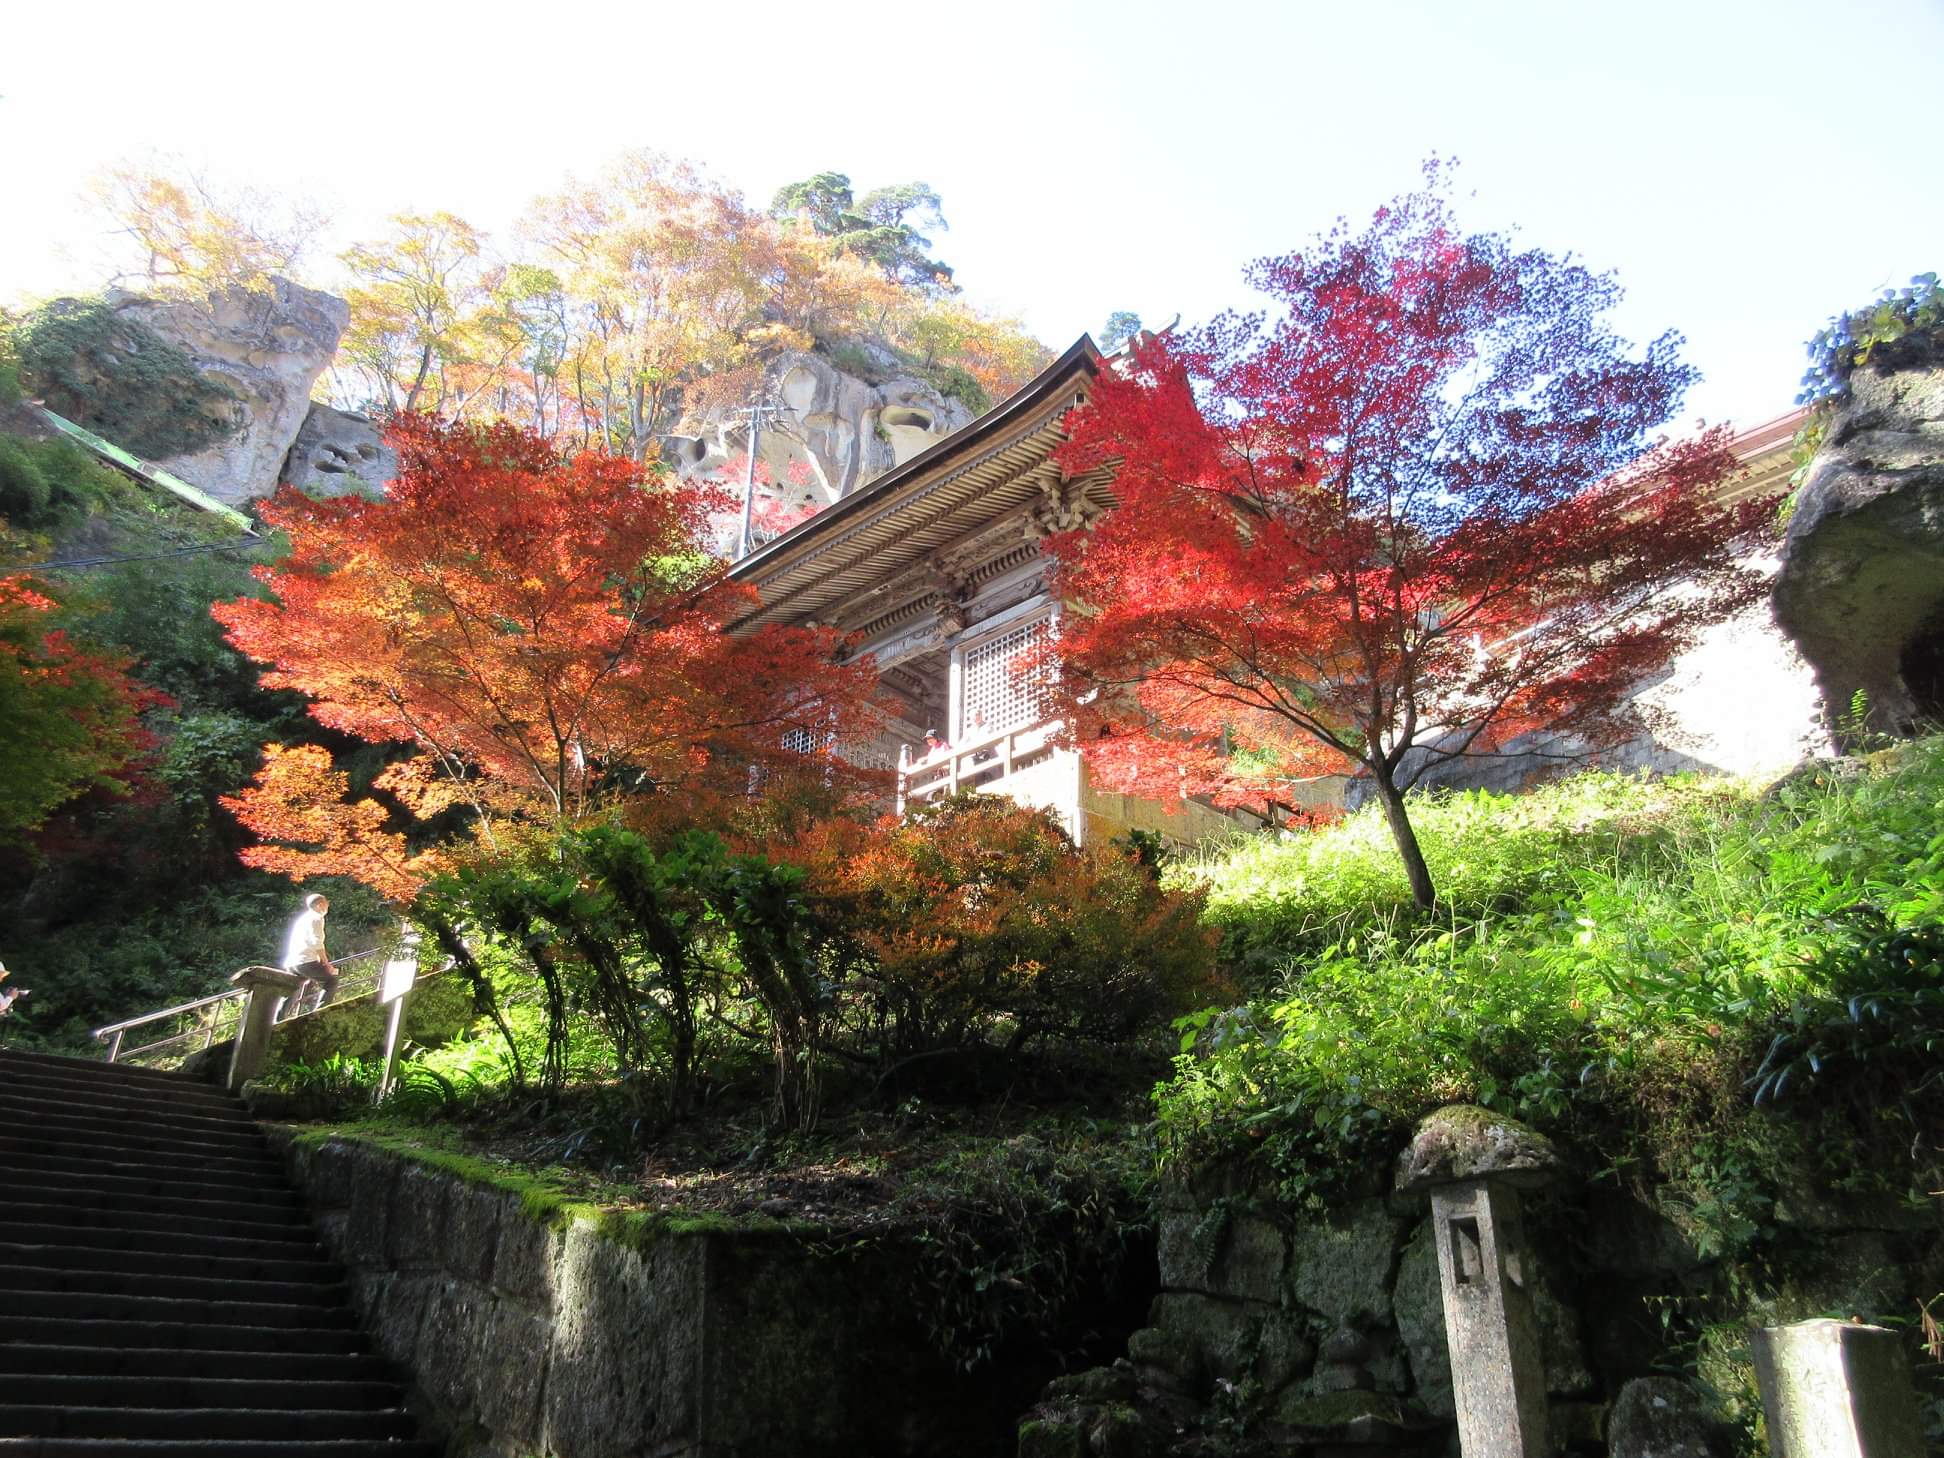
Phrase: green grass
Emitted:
{"points": [[1625, 962]]}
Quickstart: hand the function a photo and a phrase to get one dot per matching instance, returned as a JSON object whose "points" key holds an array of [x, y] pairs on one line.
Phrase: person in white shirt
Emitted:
{"points": [[304, 953]]}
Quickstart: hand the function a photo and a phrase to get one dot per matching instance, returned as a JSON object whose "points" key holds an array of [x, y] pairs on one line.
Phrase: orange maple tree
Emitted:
{"points": [[545, 631], [1415, 512]]}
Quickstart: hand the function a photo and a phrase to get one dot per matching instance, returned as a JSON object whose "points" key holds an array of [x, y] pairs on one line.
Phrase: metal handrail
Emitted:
{"points": [[206, 1029]]}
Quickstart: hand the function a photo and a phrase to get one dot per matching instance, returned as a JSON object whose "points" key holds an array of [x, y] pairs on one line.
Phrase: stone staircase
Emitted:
{"points": [[161, 1288]]}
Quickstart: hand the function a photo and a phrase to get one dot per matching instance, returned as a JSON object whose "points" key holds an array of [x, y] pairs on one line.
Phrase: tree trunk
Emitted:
{"points": [[484, 999], [1392, 799], [418, 384]]}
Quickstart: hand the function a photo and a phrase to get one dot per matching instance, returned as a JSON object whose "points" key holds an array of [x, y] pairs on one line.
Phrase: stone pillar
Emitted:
{"points": [[1837, 1389], [1471, 1164], [268, 987]]}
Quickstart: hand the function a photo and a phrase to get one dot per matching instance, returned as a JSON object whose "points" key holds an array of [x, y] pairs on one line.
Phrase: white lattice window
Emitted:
{"points": [[997, 692], [807, 741]]}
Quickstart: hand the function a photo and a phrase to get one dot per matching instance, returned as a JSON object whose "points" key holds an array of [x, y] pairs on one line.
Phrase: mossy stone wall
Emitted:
{"points": [[532, 1328]]}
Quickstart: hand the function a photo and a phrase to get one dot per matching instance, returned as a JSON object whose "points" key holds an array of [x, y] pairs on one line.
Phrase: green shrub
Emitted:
{"points": [[1622, 961], [48, 484], [955, 382], [24, 492], [104, 369], [1280, 900]]}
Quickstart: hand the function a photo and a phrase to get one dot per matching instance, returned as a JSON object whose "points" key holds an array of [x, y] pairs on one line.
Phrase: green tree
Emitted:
{"points": [[881, 226], [67, 714], [1121, 326]]}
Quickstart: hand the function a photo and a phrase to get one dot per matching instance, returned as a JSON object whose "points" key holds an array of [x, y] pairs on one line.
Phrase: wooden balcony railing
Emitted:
{"points": [[986, 763]]}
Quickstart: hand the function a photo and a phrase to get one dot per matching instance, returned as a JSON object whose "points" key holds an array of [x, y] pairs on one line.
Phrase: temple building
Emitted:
{"points": [[936, 567]]}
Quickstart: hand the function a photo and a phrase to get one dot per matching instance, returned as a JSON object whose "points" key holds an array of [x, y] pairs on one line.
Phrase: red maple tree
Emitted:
{"points": [[1413, 512], [70, 715], [546, 630]]}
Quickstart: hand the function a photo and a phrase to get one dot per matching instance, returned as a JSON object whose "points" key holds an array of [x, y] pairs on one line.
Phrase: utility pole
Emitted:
{"points": [[755, 414]]}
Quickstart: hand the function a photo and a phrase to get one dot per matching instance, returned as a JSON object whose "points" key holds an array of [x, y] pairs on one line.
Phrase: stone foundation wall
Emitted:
{"points": [[1322, 1331], [530, 1341]]}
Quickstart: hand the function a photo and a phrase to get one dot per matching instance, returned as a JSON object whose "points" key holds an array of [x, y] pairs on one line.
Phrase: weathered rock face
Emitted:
{"points": [[338, 451], [834, 432], [1861, 588], [269, 347]]}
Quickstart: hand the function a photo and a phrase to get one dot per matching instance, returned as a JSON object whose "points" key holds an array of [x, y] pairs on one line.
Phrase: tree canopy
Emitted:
{"points": [[1411, 513], [191, 235], [881, 226], [546, 633]]}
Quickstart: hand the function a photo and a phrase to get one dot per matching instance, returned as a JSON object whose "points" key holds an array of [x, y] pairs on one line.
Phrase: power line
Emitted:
{"points": [[75, 563]]}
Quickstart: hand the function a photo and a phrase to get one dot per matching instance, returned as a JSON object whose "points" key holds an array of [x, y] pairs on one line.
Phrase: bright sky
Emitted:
{"points": [[1746, 168]]}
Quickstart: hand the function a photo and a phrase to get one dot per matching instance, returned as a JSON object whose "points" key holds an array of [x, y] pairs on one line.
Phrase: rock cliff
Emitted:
{"points": [[1861, 587], [270, 348], [831, 432]]}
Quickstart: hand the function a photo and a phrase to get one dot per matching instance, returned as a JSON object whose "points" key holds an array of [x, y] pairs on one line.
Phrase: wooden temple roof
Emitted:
{"points": [[945, 520]]}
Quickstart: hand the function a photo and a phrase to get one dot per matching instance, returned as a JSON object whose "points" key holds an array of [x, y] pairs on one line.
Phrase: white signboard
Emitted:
{"points": [[400, 974]]}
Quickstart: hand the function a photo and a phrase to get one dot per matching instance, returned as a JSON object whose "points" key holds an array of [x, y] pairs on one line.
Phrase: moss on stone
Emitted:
{"points": [[547, 1203], [1334, 1409]]}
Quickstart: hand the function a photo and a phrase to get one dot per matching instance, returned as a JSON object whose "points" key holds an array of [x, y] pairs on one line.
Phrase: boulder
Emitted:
{"points": [[1341, 1264], [1861, 585], [269, 347], [1224, 1251], [337, 452], [1659, 1417]]}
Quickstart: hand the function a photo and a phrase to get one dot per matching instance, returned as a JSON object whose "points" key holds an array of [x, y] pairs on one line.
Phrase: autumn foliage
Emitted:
{"points": [[545, 632], [980, 909], [69, 714], [1413, 512]]}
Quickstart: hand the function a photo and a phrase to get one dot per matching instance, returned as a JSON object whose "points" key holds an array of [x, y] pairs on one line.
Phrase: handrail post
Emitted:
{"points": [[114, 1047], [267, 986]]}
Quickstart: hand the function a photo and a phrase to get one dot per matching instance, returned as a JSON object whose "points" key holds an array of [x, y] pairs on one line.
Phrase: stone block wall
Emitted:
{"points": [[1313, 1331], [528, 1340]]}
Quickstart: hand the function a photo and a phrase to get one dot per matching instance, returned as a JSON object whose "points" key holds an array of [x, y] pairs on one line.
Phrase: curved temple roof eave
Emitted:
{"points": [[1013, 424]]}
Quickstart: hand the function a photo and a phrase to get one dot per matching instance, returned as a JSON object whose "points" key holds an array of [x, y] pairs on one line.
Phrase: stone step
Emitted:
{"points": [[216, 1448], [95, 1125], [16, 1063], [80, 1182], [40, 1420], [294, 1390], [22, 1155], [216, 1109], [112, 1306], [132, 1146], [18, 1276], [25, 1357], [152, 1333], [161, 1291], [76, 1095], [161, 1248], [20, 1207]]}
